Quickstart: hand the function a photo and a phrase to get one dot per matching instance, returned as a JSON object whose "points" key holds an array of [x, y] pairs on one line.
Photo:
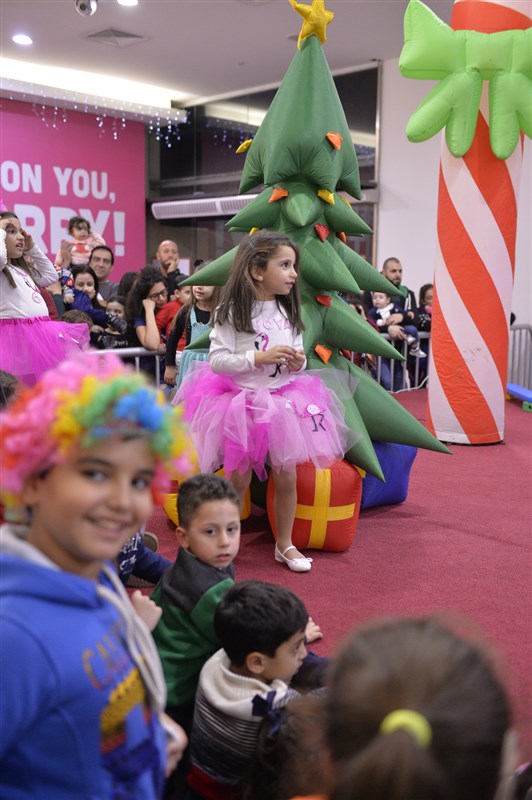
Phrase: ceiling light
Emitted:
{"points": [[22, 38], [128, 2]]}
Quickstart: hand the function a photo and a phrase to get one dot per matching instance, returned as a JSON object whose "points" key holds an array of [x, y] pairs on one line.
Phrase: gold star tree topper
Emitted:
{"points": [[316, 18]]}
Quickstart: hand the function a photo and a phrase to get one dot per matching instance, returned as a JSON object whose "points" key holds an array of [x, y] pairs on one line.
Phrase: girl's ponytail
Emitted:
{"points": [[392, 767], [414, 712]]}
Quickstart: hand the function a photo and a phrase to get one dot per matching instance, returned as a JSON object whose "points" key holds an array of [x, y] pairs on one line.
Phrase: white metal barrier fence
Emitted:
{"points": [[135, 354], [520, 356], [408, 374]]}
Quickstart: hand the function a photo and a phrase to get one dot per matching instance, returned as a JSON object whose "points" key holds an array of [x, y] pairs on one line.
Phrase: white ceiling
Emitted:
{"points": [[200, 48]]}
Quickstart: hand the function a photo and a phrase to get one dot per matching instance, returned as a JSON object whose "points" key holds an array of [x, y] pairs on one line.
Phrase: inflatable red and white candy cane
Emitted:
{"points": [[477, 207]]}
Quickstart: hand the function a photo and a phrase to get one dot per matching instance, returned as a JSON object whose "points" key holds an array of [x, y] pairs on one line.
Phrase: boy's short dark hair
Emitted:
{"points": [[199, 489], [117, 298], [8, 387], [254, 616], [76, 316]]}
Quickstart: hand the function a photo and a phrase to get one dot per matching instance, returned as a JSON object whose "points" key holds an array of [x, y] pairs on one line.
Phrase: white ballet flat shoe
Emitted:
{"points": [[295, 564]]}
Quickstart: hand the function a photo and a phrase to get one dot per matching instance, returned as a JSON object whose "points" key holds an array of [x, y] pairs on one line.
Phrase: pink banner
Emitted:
{"points": [[49, 174]]}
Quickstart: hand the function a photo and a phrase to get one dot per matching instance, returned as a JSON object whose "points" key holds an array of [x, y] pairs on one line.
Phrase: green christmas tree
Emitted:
{"points": [[304, 156]]}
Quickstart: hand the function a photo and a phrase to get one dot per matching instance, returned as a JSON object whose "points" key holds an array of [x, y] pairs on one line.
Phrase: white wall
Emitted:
{"points": [[408, 194]]}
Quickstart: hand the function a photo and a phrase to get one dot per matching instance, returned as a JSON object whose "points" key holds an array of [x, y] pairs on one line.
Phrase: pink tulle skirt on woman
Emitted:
{"points": [[243, 428], [32, 345]]}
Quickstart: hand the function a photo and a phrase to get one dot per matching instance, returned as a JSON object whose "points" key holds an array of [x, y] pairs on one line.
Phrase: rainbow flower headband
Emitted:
{"points": [[84, 399]]}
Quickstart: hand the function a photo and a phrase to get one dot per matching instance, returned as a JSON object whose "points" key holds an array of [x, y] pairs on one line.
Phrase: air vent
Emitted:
{"points": [[206, 207], [115, 38]]}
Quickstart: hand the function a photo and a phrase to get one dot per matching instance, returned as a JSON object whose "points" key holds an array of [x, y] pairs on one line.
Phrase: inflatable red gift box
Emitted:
{"points": [[328, 505]]}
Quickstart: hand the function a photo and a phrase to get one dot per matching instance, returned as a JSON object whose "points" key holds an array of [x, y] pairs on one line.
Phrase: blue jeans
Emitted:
{"points": [[386, 375]]}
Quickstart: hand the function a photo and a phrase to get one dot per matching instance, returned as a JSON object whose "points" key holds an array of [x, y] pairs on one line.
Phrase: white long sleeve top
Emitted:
{"points": [[24, 300], [233, 353]]}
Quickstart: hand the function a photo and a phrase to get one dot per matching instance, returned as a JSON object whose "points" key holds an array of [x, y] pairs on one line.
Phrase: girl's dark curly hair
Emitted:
{"points": [[148, 277]]}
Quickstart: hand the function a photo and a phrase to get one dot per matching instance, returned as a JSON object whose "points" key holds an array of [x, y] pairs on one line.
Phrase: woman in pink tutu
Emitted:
{"points": [[253, 403], [30, 342]]}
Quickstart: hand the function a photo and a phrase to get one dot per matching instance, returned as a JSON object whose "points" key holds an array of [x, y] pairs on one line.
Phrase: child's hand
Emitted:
{"points": [[28, 240], [149, 613], [312, 631], [149, 304], [280, 354], [170, 375], [295, 364], [176, 743], [65, 253]]}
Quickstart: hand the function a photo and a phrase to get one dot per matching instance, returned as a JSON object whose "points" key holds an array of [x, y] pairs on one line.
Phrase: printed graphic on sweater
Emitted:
{"points": [[106, 665]]}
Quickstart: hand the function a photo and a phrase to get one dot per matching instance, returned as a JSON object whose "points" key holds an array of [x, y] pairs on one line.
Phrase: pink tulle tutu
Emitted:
{"points": [[243, 428], [32, 345]]}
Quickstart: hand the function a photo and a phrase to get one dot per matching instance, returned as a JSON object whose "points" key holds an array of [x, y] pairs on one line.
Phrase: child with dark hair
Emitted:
{"points": [[73, 315], [193, 320], [76, 317], [76, 250], [291, 755], [148, 294], [415, 711], [8, 387], [116, 334], [190, 590], [253, 403], [426, 298], [383, 309], [261, 628], [165, 317], [84, 295]]}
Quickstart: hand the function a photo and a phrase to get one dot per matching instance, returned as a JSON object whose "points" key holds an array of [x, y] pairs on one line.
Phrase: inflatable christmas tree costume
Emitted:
{"points": [[304, 156]]}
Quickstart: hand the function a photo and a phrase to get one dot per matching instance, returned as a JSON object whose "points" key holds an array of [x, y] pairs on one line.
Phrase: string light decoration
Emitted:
{"points": [[111, 116]]}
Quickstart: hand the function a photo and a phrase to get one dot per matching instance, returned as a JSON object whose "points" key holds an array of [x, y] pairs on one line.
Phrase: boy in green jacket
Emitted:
{"points": [[190, 590]]}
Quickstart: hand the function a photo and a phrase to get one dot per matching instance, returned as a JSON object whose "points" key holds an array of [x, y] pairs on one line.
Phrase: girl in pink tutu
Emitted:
{"points": [[30, 342], [253, 403]]}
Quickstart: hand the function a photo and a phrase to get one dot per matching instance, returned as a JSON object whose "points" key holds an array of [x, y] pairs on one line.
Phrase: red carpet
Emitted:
{"points": [[460, 543]]}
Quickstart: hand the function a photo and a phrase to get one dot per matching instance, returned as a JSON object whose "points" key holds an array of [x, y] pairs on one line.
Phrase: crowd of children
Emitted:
{"points": [[93, 704]]}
